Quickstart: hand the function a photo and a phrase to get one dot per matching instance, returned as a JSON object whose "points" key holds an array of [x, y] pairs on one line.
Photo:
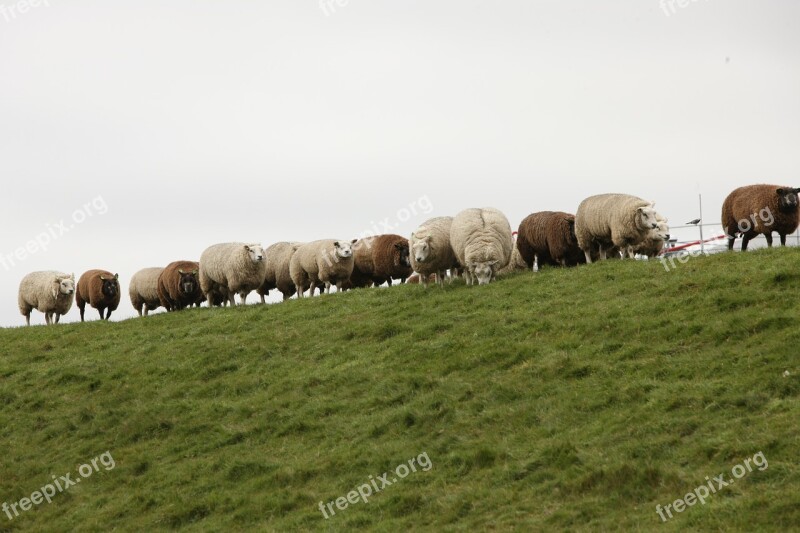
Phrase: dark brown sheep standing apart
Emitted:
{"points": [[100, 289], [759, 210], [548, 237], [379, 260], [179, 286]]}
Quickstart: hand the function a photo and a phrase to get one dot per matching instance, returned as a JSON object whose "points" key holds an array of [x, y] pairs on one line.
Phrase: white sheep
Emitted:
{"points": [[482, 242], [229, 269], [430, 251], [49, 292], [327, 261], [277, 276], [610, 221], [653, 243], [516, 264], [143, 290]]}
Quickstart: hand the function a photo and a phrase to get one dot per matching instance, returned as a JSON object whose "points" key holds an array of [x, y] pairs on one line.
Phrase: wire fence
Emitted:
{"points": [[710, 238]]}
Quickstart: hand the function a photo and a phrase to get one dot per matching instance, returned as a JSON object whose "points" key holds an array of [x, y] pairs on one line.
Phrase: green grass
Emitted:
{"points": [[567, 400]]}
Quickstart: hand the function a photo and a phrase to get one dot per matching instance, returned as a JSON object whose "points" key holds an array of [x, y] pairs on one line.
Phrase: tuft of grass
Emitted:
{"points": [[567, 399]]}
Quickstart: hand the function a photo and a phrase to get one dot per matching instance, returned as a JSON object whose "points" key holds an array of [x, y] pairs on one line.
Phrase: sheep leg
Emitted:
{"points": [[28, 319], [745, 240], [58, 317], [768, 236], [328, 287], [783, 239], [47, 318], [243, 296]]}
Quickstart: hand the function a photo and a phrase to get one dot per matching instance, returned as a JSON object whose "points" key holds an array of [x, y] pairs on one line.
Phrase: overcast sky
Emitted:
{"points": [[184, 124]]}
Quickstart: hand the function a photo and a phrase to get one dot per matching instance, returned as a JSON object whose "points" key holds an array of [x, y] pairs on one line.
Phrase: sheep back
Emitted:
{"points": [[549, 237], [143, 289]]}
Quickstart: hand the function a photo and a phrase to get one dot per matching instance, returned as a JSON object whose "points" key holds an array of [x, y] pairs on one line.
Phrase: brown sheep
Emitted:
{"points": [[759, 210], [179, 286], [100, 289], [548, 237], [379, 260]]}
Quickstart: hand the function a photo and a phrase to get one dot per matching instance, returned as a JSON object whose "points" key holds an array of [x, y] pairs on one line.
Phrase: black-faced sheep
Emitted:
{"points": [[231, 268], [760, 209], [430, 249], [379, 260], [100, 289], [548, 238], [327, 261], [48, 292], [143, 290], [482, 243], [610, 221], [178, 285]]}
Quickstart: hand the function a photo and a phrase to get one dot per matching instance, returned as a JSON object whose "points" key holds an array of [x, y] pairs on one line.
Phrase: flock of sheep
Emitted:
{"points": [[476, 243]]}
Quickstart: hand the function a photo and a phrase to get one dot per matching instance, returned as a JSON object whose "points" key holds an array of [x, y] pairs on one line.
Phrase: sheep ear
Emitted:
{"points": [[181, 272], [102, 278], [195, 272], [72, 276], [354, 241], [336, 244], [116, 276]]}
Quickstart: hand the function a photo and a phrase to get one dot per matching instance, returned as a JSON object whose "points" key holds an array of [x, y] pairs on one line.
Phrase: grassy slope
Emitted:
{"points": [[566, 399]]}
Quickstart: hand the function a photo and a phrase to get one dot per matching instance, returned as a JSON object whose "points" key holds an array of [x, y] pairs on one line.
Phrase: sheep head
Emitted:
{"points": [[344, 250], [421, 248], [647, 217], [787, 199], [256, 252]]}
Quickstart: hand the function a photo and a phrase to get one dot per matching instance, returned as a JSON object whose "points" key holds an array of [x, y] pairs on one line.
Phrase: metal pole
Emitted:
{"points": [[700, 225]]}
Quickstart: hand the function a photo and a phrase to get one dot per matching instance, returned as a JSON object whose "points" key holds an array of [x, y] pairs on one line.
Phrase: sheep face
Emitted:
{"points": [[402, 255], [256, 252], [787, 200], [344, 250], [188, 282], [422, 249], [661, 232], [110, 286], [484, 272], [66, 286], [648, 217]]}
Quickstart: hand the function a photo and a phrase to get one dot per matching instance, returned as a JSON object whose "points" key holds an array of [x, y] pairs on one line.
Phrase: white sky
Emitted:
{"points": [[209, 121]]}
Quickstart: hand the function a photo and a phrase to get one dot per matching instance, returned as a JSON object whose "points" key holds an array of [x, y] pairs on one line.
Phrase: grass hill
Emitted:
{"points": [[568, 399]]}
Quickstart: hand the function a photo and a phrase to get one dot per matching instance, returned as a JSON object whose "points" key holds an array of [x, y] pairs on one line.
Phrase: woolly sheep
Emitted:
{"points": [[48, 292], [548, 238], [760, 209], [277, 275], [430, 249], [653, 243], [516, 263], [179, 285], [380, 259], [143, 290], [613, 220], [100, 289], [482, 242], [231, 268], [327, 261]]}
